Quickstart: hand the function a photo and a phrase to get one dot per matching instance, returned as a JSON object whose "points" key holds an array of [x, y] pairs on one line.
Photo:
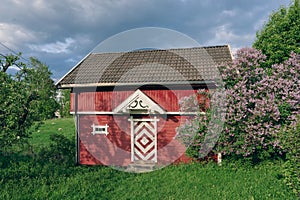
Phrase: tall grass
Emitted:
{"points": [[34, 177]]}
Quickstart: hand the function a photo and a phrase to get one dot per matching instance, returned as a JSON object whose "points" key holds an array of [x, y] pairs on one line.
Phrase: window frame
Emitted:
{"points": [[100, 129]]}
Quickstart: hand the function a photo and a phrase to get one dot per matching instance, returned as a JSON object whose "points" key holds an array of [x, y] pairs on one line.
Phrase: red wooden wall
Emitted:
{"points": [[106, 101], [115, 148]]}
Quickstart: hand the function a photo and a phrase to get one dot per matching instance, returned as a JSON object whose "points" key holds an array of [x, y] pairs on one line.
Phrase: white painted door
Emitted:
{"points": [[144, 139]]}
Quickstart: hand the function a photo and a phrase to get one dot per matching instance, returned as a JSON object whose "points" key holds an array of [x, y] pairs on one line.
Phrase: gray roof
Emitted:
{"points": [[147, 67]]}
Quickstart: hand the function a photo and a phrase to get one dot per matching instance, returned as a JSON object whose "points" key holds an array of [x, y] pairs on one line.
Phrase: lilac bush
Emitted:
{"points": [[202, 132], [259, 101], [192, 132]]}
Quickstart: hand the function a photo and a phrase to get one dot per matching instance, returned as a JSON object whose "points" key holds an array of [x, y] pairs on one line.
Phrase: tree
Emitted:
{"points": [[38, 78], [280, 35], [25, 97], [14, 110], [7, 61]]}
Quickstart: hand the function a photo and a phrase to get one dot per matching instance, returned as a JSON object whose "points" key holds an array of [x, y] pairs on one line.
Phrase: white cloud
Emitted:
{"points": [[224, 35], [74, 59], [14, 35], [55, 48], [93, 12], [39, 4], [229, 13], [71, 60]]}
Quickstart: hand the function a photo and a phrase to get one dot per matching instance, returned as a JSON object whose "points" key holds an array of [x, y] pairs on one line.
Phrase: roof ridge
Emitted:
{"points": [[167, 49]]}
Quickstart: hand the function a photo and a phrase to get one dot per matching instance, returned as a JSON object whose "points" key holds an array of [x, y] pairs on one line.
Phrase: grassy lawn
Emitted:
{"points": [[27, 178], [64, 126]]}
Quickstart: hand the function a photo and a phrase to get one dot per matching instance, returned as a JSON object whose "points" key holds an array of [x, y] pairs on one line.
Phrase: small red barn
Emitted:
{"points": [[127, 103]]}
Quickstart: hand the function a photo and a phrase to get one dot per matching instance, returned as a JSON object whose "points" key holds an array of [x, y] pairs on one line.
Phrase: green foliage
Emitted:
{"points": [[192, 133], [194, 148], [38, 78], [14, 111], [280, 35], [7, 61], [290, 138], [25, 97], [285, 110], [64, 103]]}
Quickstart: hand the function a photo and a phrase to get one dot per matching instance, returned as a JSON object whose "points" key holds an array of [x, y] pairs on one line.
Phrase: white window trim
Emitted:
{"points": [[100, 129]]}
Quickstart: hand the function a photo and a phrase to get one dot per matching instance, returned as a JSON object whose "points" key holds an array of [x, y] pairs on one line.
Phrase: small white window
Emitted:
{"points": [[100, 129]]}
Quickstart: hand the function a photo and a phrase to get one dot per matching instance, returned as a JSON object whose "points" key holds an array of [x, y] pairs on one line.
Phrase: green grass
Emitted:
{"points": [[25, 177], [63, 126]]}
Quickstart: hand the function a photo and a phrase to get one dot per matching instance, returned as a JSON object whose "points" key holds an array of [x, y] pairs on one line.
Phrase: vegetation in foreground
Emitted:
{"points": [[44, 174]]}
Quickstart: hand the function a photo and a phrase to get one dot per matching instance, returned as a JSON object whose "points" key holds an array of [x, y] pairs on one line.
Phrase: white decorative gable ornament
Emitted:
{"points": [[139, 103]]}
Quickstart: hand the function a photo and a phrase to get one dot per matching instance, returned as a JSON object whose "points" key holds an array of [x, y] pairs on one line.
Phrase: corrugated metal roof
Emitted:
{"points": [[148, 66]]}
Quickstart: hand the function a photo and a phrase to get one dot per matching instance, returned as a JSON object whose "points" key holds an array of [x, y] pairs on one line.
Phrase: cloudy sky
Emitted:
{"points": [[61, 32]]}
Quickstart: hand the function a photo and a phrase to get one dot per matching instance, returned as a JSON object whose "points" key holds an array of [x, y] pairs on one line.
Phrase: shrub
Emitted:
{"points": [[201, 133], [290, 138], [259, 102], [192, 133]]}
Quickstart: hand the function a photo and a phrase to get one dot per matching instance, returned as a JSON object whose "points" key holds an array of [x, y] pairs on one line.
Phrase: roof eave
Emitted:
{"points": [[66, 86], [57, 84]]}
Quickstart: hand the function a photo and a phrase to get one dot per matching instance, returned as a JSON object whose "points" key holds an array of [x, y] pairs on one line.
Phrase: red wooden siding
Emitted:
{"points": [[169, 149], [106, 101], [115, 148]]}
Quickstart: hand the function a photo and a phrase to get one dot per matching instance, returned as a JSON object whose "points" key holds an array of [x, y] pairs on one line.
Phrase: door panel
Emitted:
{"points": [[144, 144]]}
